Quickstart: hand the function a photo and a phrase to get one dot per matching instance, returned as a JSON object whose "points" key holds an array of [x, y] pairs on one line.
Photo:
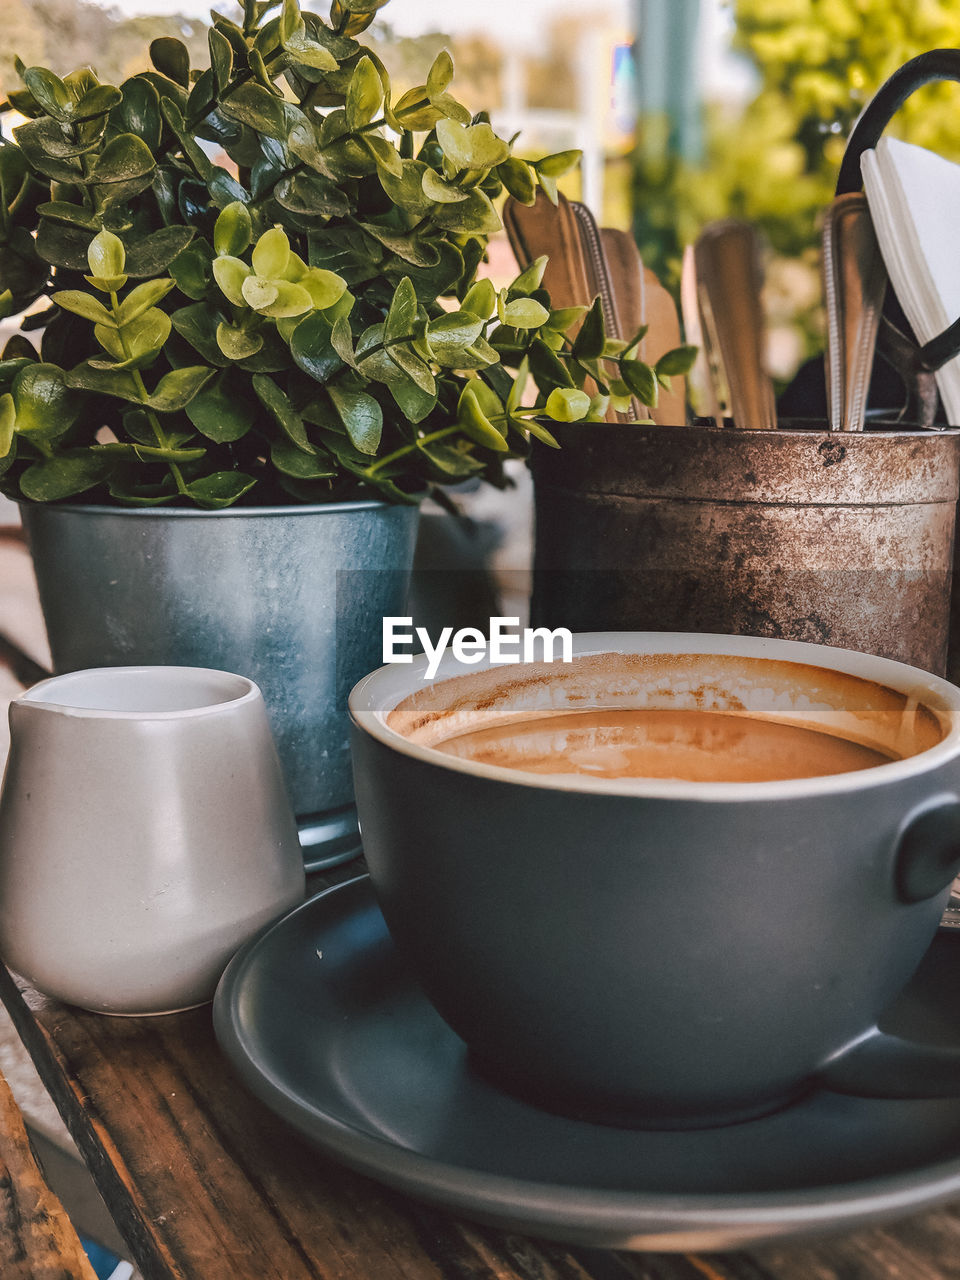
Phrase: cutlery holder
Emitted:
{"points": [[915, 364], [801, 534]]}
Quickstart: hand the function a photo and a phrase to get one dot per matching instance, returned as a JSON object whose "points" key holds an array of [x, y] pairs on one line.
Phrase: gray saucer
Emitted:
{"points": [[324, 1024]]}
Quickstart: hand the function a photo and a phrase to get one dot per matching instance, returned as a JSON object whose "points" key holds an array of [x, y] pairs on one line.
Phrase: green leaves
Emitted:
{"points": [[221, 57], [124, 158], [311, 346], [473, 420], [134, 344], [219, 489], [278, 284], [106, 256], [176, 389], [237, 343], [678, 361], [132, 332], [311, 464], [364, 94], [590, 340], [39, 410], [149, 255], [325, 288], [66, 476], [13, 176], [361, 415], [233, 230], [173, 392], [278, 405], [230, 273], [449, 337], [44, 406], [141, 299], [277, 298], [481, 299], [551, 168], [439, 75], [271, 254], [425, 105], [567, 404], [171, 59], [253, 105], [221, 410], [83, 304], [402, 316], [49, 91], [523, 313], [8, 425], [300, 319], [519, 178], [295, 40], [641, 380], [138, 112], [471, 146]]}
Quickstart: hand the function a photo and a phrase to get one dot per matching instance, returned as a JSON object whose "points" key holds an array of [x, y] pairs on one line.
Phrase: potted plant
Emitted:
{"points": [[262, 339]]}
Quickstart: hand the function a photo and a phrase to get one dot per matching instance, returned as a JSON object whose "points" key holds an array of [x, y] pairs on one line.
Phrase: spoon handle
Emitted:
{"points": [[730, 278], [854, 287]]}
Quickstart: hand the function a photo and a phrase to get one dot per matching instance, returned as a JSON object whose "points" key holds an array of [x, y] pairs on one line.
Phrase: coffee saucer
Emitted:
{"points": [[325, 1025]]}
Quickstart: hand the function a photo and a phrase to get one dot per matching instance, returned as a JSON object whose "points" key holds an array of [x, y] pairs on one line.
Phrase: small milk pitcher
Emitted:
{"points": [[145, 833]]}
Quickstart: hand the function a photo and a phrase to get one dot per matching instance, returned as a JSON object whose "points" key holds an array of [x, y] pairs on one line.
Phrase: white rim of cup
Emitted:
{"points": [[378, 693], [244, 690]]}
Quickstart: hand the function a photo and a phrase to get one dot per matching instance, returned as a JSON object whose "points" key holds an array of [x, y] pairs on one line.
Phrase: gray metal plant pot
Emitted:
{"points": [[292, 597]]}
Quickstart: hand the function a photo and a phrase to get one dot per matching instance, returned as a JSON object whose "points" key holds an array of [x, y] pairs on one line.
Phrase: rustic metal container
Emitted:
{"points": [[836, 538]]}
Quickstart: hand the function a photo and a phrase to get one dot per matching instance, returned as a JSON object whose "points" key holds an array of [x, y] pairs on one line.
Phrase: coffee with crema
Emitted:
{"points": [[698, 746], [693, 717]]}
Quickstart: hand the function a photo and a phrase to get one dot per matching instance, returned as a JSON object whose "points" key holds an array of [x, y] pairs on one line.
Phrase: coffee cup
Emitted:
{"points": [[145, 834], [684, 950]]}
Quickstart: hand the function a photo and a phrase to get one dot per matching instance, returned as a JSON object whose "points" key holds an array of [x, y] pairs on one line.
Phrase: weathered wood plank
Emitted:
{"points": [[204, 1181], [37, 1239]]}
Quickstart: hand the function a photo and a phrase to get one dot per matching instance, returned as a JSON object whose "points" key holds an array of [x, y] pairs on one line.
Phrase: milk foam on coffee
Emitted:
{"points": [[696, 717]]}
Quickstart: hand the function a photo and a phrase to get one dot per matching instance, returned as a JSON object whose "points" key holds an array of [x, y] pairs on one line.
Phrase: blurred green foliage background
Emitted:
{"points": [[774, 160]]}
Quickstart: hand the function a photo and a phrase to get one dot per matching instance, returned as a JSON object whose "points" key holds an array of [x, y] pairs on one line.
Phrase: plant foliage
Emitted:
{"points": [[259, 280]]}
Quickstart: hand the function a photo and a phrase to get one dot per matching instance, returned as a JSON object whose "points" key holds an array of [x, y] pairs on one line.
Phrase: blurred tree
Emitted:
{"points": [[552, 74], [775, 162], [65, 34], [21, 35], [480, 66], [125, 49], [405, 57]]}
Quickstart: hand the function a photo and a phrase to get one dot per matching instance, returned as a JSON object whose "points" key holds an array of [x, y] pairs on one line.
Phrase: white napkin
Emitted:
{"points": [[913, 195]]}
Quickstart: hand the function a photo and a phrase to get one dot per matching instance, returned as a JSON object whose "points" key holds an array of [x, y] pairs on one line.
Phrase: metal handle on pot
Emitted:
{"points": [[935, 64]]}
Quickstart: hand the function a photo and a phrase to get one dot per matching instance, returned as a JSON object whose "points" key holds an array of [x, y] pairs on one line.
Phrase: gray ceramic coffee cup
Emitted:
{"points": [[665, 952]]}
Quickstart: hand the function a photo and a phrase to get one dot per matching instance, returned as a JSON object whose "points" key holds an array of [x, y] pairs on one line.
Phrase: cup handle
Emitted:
{"points": [[879, 1065]]}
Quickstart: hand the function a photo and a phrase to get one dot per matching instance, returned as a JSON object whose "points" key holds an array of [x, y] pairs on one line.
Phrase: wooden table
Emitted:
{"points": [[205, 1184], [37, 1239]]}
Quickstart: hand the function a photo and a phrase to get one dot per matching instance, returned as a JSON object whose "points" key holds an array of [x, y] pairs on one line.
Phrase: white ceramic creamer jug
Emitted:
{"points": [[145, 833]]}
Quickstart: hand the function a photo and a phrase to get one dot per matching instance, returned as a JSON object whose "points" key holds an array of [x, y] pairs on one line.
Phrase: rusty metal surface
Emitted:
{"points": [[798, 534]]}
